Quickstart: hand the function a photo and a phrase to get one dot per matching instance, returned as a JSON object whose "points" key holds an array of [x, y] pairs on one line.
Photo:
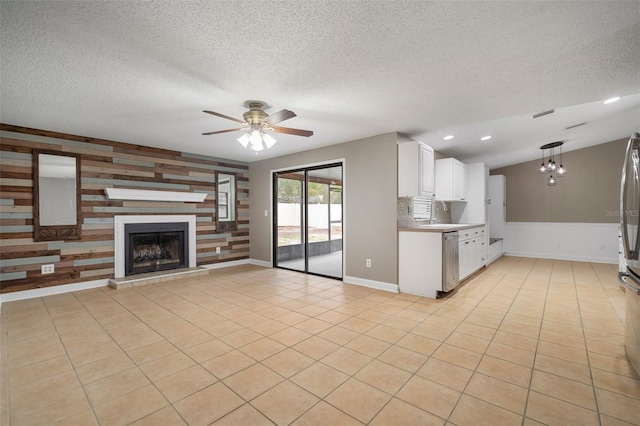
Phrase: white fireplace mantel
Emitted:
{"points": [[119, 243], [152, 195]]}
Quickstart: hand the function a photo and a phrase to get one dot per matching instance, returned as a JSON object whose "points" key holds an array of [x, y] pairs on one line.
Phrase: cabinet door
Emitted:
{"points": [[459, 181], [426, 170]]}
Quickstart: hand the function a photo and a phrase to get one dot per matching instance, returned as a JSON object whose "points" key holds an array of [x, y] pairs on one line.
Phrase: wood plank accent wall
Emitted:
{"points": [[106, 164]]}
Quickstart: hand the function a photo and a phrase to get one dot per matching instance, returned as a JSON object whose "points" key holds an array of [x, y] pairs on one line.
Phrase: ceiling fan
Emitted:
{"points": [[255, 124]]}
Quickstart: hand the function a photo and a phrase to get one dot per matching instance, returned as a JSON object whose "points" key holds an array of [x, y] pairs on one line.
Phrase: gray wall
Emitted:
{"points": [[370, 195], [590, 193]]}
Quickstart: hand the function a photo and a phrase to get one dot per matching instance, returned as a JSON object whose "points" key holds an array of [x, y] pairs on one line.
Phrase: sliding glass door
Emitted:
{"points": [[308, 220]]}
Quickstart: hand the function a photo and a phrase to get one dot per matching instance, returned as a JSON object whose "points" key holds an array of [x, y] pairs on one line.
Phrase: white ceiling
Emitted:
{"points": [[142, 72]]}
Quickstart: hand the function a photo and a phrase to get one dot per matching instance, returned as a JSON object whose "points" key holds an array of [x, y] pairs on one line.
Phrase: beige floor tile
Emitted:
{"points": [[511, 353], [313, 325], [292, 318], [383, 376], [185, 382], [131, 337], [458, 356], [399, 413], [151, 352], [498, 392], [616, 383], [130, 407], [325, 414], [319, 379], [516, 340], [163, 367], [521, 329], [253, 381], [358, 399], [346, 360], [84, 353], [333, 317], [465, 341], [405, 359], [207, 350], [577, 342], [386, 333], [85, 418], [51, 410], [240, 338], [368, 345], [290, 336], [288, 362], [35, 371], [476, 330], [610, 421], [417, 343], [198, 409], [429, 396], [114, 386], [358, 325], [445, 373], [262, 348], [567, 390], [165, 417], [475, 412], [187, 340], [617, 365], [245, 415], [564, 352], [316, 347], [560, 367], [227, 364], [505, 370], [284, 403], [619, 406], [338, 335], [552, 411]]}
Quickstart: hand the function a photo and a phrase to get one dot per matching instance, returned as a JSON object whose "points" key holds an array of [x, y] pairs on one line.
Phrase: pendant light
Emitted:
{"points": [[550, 167]]}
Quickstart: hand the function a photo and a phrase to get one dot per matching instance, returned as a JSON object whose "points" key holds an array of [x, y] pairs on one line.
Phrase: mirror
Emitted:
{"points": [[226, 212], [56, 196]]}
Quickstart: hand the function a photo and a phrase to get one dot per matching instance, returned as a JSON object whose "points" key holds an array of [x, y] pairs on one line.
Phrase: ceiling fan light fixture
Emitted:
{"points": [[244, 140], [268, 140]]}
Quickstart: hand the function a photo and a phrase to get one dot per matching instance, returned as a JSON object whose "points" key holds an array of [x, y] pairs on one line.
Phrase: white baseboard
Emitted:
{"points": [[264, 263], [562, 257], [378, 285], [49, 291], [85, 285]]}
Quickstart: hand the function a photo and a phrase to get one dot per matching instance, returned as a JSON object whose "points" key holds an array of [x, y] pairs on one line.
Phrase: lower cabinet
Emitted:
{"points": [[471, 251]]}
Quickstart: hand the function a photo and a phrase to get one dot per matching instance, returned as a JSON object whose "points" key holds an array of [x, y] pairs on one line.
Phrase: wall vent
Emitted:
{"points": [[543, 113], [576, 125]]}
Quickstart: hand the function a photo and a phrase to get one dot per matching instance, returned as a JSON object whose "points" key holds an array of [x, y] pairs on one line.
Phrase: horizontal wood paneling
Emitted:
{"points": [[105, 164]]}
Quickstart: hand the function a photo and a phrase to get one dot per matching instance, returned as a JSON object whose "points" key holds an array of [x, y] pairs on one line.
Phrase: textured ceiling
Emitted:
{"points": [[142, 72]]}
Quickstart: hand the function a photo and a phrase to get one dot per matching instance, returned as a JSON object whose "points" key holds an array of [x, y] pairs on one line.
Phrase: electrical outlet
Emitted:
{"points": [[47, 269], [266, 213], [368, 263], [218, 250]]}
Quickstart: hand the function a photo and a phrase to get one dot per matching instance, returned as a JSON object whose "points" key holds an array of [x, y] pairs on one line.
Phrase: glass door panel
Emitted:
{"points": [[324, 227], [308, 220], [290, 247]]}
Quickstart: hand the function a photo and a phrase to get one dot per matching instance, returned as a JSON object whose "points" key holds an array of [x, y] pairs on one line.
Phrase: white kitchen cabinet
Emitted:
{"points": [[451, 180], [415, 169], [420, 260], [471, 251]]}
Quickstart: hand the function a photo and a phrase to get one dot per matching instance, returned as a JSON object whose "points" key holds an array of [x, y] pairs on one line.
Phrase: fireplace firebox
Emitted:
{"points": [[151, 247]]}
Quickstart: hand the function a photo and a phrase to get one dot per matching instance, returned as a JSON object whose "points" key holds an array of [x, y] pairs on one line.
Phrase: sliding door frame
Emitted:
{"points": [[341, 162]]}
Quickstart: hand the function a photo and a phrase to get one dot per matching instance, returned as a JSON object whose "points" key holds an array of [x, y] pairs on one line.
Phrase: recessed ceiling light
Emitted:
{"points": [[448, 137], [485, 138], [611, 100]]}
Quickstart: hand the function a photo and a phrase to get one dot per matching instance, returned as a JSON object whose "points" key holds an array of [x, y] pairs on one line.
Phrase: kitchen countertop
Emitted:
{"points": [[440, 227]]}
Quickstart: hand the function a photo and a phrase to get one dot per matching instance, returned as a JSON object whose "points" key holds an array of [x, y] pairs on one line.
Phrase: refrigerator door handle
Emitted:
{"points": [[629, 252], [622, 277]]}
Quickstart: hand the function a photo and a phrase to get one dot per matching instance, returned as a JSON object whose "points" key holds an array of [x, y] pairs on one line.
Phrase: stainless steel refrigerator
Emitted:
{"points": [[629, 275]]}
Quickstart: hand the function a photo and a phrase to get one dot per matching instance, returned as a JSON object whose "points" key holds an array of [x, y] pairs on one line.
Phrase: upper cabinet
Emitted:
{"points": [[415, 169], [451, 180]]}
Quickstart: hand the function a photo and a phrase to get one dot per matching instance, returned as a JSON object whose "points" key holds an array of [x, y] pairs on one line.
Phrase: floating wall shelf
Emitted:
{"points": [[150, 195]]}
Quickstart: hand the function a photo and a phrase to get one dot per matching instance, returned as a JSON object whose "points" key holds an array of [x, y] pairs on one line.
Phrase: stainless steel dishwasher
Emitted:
{"points": [[450, 269]]}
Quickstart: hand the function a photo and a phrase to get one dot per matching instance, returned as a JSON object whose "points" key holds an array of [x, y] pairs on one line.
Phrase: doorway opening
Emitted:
{"points": [[307, 205]]}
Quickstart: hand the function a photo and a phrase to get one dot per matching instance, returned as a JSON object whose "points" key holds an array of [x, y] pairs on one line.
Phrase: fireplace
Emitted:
{"points": [[149, 243], [151, 247]]}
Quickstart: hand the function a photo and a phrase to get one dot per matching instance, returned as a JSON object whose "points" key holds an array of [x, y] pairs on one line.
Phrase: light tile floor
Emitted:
{"points": [[526, 342]]}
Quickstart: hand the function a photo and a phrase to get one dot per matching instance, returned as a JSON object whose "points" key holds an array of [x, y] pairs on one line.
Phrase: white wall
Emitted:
{"points": [[589, 242]]}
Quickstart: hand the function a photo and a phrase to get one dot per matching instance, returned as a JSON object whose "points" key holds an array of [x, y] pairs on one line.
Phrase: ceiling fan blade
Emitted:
{"points": [[222, 131], [279, 116], [290, 131], [225, 116]]}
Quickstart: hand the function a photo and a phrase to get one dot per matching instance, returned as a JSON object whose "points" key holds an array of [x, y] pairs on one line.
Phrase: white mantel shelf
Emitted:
{"points": [[150, 195]]}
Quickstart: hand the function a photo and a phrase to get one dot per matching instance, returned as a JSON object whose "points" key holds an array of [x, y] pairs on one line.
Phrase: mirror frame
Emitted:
{"points": [[232, 224], [54, 232]]}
